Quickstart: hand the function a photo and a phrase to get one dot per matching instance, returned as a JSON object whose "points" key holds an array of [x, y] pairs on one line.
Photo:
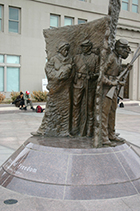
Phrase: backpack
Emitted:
{"points": [[121, 105], [39, 109]]}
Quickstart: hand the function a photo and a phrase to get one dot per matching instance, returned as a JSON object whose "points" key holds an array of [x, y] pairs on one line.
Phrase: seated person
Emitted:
{"points": [[28, 100], [19, 102]]}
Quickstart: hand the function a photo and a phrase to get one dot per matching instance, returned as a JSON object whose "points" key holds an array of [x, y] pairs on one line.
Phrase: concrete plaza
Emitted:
{"points": [[15, 128]]}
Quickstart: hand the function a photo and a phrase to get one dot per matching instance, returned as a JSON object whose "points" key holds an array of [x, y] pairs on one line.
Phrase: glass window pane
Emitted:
{"points": [[68, 21], [1, 79], [13, 13], [125, 1], [13, 26], [135, 2], [81, 21], [12, 79], [134, 8], [1, 59], [124, 6], [0, 18], [0, 25], [0, 11], [13, 59], [54, 21]]}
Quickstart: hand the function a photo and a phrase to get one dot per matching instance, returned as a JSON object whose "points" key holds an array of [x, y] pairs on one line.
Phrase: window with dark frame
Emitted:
{"points": [[54, 21], [68, 21], [81, 21], [9, 73], [14, 20], [125, 4], [1, 18], [135, 4]]}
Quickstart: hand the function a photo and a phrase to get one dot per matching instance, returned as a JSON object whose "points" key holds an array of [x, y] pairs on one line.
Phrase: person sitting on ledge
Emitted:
{"points": [[19, 102], [28, 100]]}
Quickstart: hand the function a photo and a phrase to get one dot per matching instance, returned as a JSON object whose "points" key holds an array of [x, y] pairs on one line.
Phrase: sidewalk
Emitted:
{"points": [[16, 125], [15, 129], [12, 107], [128, 102]]}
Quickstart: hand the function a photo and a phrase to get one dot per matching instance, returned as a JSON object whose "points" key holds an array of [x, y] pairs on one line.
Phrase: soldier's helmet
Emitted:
{"points": [[121, 42]]}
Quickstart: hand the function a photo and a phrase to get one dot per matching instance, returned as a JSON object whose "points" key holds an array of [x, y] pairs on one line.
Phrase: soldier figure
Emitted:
{"points": [[59, 73], [59, 67], [86, 74], [112, 71]]}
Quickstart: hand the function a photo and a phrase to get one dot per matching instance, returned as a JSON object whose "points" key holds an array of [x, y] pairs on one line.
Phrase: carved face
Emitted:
{"points": [[64, 51], [123, 51]]}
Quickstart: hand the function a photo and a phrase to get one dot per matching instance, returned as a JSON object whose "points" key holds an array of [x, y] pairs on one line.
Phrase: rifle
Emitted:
{"points": [[121, 91], [123, 76]]}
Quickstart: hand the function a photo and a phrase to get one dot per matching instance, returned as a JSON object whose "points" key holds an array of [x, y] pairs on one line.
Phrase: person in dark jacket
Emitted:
{"points": [[19, 102]]}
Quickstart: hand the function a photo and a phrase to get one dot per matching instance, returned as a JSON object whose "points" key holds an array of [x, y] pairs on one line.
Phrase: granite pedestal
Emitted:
{"points": [[70, 169]]}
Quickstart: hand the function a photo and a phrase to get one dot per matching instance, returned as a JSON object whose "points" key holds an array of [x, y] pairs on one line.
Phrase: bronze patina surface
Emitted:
{"points": [[85, 78]]}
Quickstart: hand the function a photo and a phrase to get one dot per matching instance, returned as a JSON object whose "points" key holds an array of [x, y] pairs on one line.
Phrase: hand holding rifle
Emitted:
{"points": [[121, 79]]}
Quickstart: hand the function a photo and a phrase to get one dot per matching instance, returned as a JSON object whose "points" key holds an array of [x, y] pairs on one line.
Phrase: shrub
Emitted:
{"points": [[14, 95], [39, 96], [2, 97]]}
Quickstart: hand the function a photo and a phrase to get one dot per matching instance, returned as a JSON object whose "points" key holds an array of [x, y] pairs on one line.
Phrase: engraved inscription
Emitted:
{"points": [[28, 168]]}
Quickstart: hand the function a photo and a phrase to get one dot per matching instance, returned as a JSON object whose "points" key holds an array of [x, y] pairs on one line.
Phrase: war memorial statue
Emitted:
{"points": [[76, 154], [83, 70]]}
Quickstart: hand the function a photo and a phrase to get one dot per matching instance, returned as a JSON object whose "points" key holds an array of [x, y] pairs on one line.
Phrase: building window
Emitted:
{"points": [[1, 79], [68, 21], [14, 20], [9, 73], [82, 0], [54, 21], [135, 6], [125, 4], [1, 58], [1, 73], [12, 79], [81, 21], [13, 59], [1, 18]]}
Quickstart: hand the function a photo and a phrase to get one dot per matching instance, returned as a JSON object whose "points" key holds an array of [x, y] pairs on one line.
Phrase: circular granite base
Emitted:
{"points": [[70, 169]]}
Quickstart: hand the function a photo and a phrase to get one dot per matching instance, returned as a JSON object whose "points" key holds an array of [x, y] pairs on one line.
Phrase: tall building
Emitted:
{"points": [[22, 45]]}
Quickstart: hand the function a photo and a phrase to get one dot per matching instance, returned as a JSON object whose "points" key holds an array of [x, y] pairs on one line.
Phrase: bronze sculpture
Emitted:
{"points": [[84, 85], [84, 78], [112, 70], [82, 71], [58, 70]]}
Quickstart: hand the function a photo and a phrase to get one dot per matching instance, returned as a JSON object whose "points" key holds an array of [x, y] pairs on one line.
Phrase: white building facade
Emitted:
{"points": [[22, 45]]}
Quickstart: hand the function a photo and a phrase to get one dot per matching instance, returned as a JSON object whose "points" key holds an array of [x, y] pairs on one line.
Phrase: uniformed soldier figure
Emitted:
{"points": [[59, 73], [86, 74], [59, 67], [112, 71]]}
